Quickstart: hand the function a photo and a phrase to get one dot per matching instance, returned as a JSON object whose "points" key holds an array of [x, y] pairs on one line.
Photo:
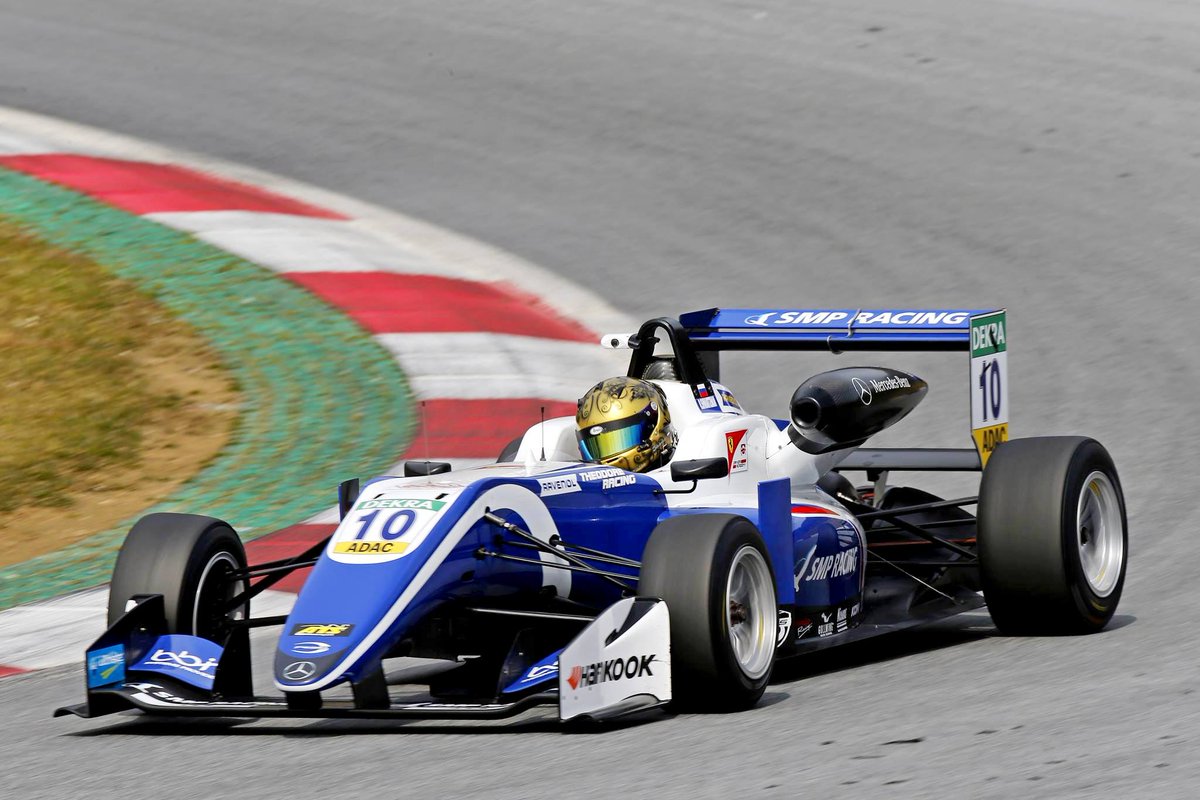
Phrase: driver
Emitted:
{"points": [[624, 422]]}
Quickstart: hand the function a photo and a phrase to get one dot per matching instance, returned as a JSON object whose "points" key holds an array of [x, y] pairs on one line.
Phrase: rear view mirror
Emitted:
{"points": [[699, 469], [422, 469], [347, 496]]}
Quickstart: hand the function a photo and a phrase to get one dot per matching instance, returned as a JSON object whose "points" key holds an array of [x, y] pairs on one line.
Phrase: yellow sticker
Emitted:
{"points": [[987, 439], [371, 548], [319, 629]]}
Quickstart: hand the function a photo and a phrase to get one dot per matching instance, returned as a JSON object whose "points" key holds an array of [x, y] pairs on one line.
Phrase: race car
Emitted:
{"points": [[545, 578]]}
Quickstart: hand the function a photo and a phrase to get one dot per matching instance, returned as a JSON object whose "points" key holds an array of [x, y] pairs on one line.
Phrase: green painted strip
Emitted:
{"points": [[323, 401]]}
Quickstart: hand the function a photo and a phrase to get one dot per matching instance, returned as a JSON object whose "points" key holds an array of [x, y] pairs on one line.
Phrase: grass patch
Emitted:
{"points": [[74, 395], [285, 396]]}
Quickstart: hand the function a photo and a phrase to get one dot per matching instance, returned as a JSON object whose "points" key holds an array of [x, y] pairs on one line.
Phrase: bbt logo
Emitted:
{"points": [[185, 660]]}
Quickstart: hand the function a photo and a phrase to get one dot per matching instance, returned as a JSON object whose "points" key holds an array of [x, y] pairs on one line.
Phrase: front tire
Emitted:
{"points": [[188, 559], [1053, 536], [714, 573]]}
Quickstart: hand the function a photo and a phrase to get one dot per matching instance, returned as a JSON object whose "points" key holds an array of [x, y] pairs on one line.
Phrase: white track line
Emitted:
{"points": [[287, 243]]}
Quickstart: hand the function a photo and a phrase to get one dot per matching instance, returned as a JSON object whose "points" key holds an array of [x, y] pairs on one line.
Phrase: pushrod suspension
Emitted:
{"points": [[278, 570], [599, 554], [929, 537], [583, 566], [888, 513], [940, 523], [893, 515], [257, 622], [485, 553], [585, 553]]}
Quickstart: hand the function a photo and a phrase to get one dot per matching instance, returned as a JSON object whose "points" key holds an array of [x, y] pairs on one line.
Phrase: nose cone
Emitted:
{"points": [[339, 612]]}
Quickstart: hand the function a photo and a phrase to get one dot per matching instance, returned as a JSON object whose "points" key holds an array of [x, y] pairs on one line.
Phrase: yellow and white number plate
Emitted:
{"points": [[384, 528]]}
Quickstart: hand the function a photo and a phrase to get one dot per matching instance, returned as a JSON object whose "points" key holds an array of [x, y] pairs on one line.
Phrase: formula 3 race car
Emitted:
{"points": [[545, 579]]}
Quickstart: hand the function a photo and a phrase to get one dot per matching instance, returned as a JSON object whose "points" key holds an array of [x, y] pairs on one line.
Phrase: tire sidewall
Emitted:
{"points": [[741, 533], [171, 555], [1097, 610], [1032, 575], [218, 555], [687, 562]]}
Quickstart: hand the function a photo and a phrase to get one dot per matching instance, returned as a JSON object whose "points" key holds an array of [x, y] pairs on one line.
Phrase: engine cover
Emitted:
{"points": [[843, 407]]}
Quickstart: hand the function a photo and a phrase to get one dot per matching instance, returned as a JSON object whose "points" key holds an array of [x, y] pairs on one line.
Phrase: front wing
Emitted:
{"points": [[632, 631], [165, 696]]}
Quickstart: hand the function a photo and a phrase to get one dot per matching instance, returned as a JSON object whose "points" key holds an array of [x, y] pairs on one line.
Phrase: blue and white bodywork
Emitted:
{"points": [[425, 533]]}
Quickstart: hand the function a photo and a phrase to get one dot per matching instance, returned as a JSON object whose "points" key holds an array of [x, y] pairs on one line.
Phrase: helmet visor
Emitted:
{"points": [[608, 439]]}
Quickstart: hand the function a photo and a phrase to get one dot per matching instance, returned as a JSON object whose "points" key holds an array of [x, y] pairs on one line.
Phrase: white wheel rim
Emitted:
{"points": [[234, 589], [1100, 534], [750, 612]]}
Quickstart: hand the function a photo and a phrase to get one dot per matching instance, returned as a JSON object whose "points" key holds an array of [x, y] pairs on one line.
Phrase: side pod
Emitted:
{"points": [[620, 663]]}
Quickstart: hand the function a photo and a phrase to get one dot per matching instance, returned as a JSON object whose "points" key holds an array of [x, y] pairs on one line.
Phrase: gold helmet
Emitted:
{"points": [[624, 422]]}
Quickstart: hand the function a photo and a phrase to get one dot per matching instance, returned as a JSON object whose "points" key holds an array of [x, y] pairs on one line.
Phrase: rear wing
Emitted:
{"points": [[698, 338], [835, 330]]}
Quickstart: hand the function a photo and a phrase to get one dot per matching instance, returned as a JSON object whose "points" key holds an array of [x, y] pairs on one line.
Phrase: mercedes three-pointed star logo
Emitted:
{"points": [[299, 670], [864, 391]]}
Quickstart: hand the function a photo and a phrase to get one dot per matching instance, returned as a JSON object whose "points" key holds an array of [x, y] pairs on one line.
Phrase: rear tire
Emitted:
{"points": [[187, 559], [1053, 537], [714, 573]]}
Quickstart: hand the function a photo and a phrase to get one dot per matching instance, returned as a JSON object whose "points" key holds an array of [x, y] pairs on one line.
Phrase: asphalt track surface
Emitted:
{"points": [[1038, 155]]}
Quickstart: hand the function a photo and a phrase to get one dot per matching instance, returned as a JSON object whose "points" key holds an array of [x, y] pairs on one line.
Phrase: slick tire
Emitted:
{"points": [[188, 560], [1053, 537], [714, 573]]}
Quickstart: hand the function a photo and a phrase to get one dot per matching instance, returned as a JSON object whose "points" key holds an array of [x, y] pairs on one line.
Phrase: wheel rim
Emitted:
{"points": [[1099, 534], [214, 591], [750, 612]]}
